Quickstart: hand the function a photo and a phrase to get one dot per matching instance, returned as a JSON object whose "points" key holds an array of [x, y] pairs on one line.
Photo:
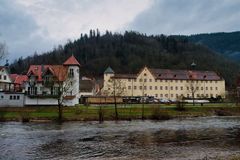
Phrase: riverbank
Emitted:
{"points": [[125, 112]]}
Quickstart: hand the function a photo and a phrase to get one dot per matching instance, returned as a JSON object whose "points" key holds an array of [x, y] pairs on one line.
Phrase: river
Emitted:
{"points": [[191, 138]]}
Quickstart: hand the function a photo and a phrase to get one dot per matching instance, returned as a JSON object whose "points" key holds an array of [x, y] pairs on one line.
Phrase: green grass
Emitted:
{"points": [[134, 111]]}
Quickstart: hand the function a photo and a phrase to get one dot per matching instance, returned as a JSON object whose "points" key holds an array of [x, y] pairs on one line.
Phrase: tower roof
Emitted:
{"points": [[71, 61], [109, 70]]}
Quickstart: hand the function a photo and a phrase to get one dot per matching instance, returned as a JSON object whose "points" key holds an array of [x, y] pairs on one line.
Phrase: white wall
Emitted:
{"points": [[11, 99]]}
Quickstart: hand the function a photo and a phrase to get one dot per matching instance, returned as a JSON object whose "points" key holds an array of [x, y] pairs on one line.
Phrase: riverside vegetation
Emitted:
{"points": [[125, 112]]}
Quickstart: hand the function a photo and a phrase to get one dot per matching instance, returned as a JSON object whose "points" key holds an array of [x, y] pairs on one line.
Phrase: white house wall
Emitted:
{"points": [[17, 99]]}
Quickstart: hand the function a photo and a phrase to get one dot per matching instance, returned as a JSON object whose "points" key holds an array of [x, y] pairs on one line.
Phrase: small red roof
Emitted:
{"points": [[20, 79], [59, 71], [71, 61]]}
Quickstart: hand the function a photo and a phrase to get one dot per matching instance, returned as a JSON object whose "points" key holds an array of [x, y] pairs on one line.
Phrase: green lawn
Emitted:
{"points": [[134, 111]]}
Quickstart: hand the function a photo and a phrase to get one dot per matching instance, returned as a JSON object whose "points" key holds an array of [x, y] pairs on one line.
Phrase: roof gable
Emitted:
{"points": [[71, 61]]}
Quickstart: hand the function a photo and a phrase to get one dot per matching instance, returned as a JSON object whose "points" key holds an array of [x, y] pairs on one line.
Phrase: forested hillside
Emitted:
{"points": [[129, 52], [227, 44]]}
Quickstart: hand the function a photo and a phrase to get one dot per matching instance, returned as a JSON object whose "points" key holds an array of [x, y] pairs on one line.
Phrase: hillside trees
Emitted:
{"points": [[129, 52]]}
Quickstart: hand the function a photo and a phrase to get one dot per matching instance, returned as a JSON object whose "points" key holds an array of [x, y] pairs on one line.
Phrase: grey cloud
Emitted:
{"points": [[188, 17], [19, 31]]}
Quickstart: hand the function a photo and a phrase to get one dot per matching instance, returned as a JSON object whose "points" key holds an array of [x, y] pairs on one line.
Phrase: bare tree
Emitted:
{"points": [[116, 88], [143, 86], [192, 88], [3, 51], [64, 89]]}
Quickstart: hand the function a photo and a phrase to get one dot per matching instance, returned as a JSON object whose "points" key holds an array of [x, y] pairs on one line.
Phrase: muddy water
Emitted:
{"points": [[194, 138]]}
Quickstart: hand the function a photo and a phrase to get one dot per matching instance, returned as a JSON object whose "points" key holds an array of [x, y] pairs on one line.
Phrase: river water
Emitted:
{"points": [[192, 138]]}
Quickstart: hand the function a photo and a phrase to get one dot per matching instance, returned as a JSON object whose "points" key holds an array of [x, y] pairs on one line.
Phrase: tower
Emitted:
{"points": [[74, 76]]}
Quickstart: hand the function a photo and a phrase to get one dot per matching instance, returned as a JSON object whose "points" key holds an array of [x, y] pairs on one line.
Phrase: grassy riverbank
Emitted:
{"points": [[125, 112]]}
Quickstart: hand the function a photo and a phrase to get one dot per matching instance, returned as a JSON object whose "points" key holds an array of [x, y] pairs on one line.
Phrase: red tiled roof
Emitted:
{"points": [[175, 75], [71, 61], [1, 67], [58, 71], [184, 74], [20, 79]]}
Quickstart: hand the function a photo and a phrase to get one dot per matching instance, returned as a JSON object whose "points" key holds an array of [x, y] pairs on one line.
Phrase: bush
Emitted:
{"points": [[180, 106], [159, 114], [25, 117]]}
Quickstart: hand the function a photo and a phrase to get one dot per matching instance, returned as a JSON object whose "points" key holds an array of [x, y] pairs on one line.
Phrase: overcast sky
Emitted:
{"points": [[27, 26]]}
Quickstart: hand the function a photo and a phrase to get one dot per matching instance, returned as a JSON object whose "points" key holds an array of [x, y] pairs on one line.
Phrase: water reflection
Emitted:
{"points": [[194, 138]]}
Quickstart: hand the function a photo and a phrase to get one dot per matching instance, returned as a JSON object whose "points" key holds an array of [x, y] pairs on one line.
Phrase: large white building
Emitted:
{"points": [[48, 83], [165, 83]]}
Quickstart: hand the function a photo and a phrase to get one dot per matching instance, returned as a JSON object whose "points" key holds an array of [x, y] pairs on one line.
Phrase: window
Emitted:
{"points": [[145, 87], [135, 80], [201, 88], [166, 95], [166, 88], [188, 95], [211, 87], [206, 88], [2, 97], [145, 74], [156, 87], [135, 87], [215, 81], [161, 95], [140, 80], [207, 95], [170, 80], [197, 88], [171, 87], [171, 95], [129, 80], [181, 81], [5, 77], [181, 87], [165, 80], [176, 88], [14, 97], [11, 97], [216, 88], [176, 95], [187, 88], [32, 90], [71, 73], [155, 80], [145, 80], [129, 87], [150, 80], [161, 87], [0, 76], [140, 87], [156, 95], [150, 87]]}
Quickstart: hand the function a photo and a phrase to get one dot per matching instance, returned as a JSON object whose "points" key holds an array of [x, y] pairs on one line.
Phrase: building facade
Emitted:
{"points": [[164, 84], [49, 84]]}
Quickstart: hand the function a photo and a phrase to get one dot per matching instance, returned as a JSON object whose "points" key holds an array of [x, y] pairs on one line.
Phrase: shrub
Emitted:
{"points": [[159, 114], [180, 106], [25, 116]]}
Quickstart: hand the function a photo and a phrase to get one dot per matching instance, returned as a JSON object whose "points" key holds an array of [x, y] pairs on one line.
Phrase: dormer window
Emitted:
{"points": [[145, 74], [159, 75], [175, 76], [204, 76]]}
